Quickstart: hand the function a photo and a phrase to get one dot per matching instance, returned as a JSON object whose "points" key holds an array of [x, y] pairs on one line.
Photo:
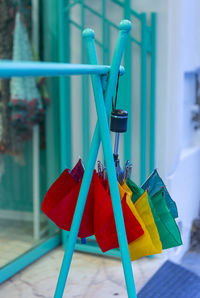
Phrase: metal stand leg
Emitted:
{"points": [[125, 26], [116, 202]]}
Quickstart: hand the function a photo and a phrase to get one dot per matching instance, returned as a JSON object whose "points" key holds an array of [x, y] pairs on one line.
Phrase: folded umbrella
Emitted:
{"points": [[154, 183], [60, 202], [136, 190], [164, 233], [168, 230], [149, 243], [104, 222], [78, 171], [58, 190]]}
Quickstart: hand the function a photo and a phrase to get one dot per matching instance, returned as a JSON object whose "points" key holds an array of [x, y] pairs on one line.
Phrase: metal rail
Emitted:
{"points": [[10, 69]]}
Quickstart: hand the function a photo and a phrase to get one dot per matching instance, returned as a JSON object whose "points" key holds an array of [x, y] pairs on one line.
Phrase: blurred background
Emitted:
{"points": [[160, 90]]}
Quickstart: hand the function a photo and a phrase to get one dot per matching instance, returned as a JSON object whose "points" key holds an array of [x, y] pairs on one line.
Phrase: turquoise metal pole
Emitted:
{"points": [[127, 104], [85, 98], [64, 90], [143, 107], [108, 155], [153, 93], [10, 69], [124, 27]]}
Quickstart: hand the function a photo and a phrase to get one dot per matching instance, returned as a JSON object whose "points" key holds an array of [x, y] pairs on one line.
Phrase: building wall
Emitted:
{"points": [[177, 143]]}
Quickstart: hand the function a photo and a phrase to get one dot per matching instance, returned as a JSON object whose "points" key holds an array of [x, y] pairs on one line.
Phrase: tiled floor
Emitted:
{"points": [[16, 238], [90, 277]]}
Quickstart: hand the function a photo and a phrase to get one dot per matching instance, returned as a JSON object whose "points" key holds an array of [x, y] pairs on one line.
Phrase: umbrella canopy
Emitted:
{"points": [[104, 222], [60, 202], [136, 190], [149, 243], [150, 226], [98, 218], [78, 171], [154, 183], [168, 229]]}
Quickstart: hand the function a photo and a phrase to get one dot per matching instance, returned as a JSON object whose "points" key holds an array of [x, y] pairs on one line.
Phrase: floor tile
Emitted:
{"points": [[90, 277]]}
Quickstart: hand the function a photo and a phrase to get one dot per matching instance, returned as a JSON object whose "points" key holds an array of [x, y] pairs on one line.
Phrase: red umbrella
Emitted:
{"points": [[60, 202], [78, 171], [104, 223], [98, 218]]}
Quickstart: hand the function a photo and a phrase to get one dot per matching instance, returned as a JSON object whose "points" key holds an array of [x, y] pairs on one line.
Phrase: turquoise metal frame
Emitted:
{"points": [[101, 133], [7, 70], [50, 69]]}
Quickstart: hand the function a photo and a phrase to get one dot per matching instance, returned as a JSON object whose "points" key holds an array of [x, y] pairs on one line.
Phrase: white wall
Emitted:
{"points": [[177, 153]]}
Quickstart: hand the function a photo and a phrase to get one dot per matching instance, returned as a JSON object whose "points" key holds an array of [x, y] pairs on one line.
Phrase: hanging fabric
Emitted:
{"points": [[169, 232], [27, 105], [161, 214], [149, 243], [104, 223], [154, 183], [78, 171], [60, 202], [136, 190]]}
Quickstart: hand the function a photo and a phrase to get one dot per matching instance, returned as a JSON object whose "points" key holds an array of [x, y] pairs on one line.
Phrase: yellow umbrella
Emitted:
{"points": [[149, 243]]}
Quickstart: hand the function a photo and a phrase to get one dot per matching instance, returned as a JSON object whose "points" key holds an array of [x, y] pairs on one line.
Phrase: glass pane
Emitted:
{"points": [[24, 165]]}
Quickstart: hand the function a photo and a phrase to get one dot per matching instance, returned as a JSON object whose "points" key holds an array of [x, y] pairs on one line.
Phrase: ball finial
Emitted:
{"points": [[88, 33], [125, 25]]}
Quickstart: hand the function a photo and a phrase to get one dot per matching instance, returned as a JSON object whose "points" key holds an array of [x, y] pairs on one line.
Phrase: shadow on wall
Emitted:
{"points": [[184, 183], [184, 188]]}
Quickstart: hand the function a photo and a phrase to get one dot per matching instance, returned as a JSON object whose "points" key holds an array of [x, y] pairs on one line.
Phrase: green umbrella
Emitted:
{"points": [[136, 190], [167, 228], [166, 225], [154, 184]]}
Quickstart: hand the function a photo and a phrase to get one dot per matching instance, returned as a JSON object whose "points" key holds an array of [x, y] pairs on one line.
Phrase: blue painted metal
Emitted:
{"points": [[152, 94], [10, 69], [85, 99], [64, 91], [95, 249], [83, 240], [113, 184], [143, 103], [127, 103], [125, 26], [92, 246], [26, 259]]}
